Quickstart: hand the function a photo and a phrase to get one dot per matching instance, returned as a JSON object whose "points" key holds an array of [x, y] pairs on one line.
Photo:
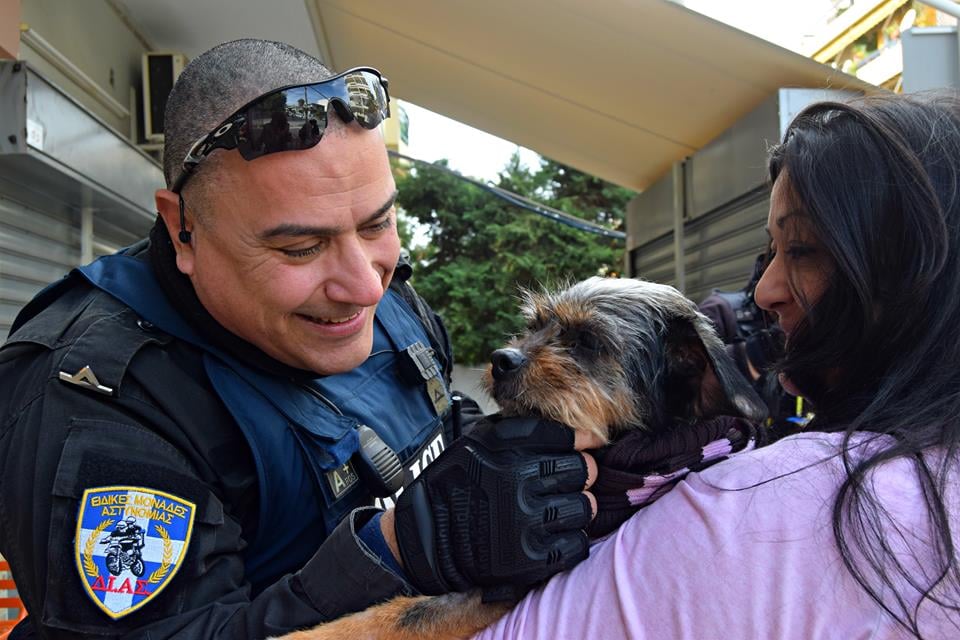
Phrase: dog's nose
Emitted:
{"points": [[505, 362]]}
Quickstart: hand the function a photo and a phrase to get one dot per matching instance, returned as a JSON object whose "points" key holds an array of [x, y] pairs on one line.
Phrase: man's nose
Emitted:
{"points": [[358, 279]]}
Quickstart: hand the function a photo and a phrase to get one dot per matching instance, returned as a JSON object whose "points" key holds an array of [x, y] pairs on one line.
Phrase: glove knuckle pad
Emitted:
{"points": [[567, 513], [562, 474]]}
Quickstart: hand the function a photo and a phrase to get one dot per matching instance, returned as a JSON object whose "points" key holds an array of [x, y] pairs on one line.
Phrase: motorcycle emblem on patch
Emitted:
{"points": [[130, 543]]}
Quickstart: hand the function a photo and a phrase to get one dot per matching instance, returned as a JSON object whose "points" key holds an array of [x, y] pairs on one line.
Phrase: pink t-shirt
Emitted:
{"points": [[710, 561]]}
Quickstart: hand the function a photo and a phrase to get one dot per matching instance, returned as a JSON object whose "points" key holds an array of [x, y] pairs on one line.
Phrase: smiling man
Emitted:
{"points": [[255, 388], [304, 243]]}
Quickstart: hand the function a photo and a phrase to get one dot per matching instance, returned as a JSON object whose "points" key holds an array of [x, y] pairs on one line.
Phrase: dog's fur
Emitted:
{"points": [[603, 355]]}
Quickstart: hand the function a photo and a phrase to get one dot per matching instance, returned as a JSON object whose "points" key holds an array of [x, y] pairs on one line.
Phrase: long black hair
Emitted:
{"points": [[877, 180]]}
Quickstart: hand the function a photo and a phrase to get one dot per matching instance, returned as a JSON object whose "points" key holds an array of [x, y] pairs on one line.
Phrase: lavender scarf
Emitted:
{"points": [[641, 466]]}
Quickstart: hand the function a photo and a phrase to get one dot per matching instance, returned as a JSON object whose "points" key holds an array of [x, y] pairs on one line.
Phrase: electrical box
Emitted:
{"points": [[160, 71]]}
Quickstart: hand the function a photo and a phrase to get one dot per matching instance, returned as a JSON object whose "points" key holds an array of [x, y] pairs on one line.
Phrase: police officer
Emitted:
{"points": [[248, 380]]}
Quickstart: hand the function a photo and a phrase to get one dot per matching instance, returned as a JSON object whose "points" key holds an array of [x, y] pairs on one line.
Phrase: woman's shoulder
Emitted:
{"points": [[794, 482], [809, 455], [742, 549]]}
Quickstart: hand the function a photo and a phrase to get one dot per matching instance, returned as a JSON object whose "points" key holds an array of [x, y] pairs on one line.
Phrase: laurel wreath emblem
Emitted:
{"points": [[166, 561], [88, 564]]}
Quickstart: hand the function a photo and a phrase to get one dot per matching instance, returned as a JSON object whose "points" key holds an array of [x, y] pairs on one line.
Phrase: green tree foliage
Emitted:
{"points": [[481, 249]]}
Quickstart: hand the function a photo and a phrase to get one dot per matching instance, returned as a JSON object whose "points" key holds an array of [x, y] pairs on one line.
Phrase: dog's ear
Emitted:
{"points": [[702, 379]]}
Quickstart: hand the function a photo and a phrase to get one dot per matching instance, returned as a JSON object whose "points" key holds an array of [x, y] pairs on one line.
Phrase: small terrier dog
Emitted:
{"points": [[604, 355]]}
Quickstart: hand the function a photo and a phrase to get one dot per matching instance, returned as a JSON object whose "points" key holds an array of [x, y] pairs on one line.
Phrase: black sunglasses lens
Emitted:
{"points": [[296, 118], [366, 98], [284, 121]]}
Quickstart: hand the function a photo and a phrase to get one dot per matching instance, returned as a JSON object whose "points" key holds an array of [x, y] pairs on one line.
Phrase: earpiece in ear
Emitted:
{"points": [[184, 235]]}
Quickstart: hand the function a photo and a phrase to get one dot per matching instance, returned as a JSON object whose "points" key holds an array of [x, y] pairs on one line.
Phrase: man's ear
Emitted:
{"points": [[702, 379], [168, 206]]}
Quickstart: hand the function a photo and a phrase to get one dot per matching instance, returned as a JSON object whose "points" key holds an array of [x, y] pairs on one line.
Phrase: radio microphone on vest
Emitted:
{"points": [[377, 464]]}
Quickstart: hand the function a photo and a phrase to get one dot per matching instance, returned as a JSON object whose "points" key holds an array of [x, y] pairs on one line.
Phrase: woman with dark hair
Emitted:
{"points": [[849, 529]]}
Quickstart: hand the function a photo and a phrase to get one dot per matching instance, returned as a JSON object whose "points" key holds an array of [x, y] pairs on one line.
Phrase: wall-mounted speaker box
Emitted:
{"points": [[160, 71]]}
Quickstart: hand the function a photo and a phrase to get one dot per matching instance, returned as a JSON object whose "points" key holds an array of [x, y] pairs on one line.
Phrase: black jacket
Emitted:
{"points": [[166, 428]]}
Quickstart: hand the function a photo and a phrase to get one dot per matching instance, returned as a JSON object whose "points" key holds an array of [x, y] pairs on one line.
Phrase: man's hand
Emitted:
{"points": [[504, 505]]}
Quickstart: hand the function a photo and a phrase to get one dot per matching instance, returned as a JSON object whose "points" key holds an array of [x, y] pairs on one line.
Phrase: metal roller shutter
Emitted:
{"points": [[36, 248], [719, 248], [109, 237], [39, 247]]}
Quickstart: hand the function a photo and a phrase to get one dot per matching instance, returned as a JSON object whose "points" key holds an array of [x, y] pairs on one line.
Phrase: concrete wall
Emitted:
{"points": [[466, 378], [94, 38]]}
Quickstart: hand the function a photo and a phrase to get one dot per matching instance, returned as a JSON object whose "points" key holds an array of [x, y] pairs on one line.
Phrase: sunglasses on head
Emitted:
{"points": [[294, 118]]}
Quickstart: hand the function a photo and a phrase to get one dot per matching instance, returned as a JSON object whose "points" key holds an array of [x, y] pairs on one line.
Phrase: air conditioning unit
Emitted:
{"points": [[160, 71]]}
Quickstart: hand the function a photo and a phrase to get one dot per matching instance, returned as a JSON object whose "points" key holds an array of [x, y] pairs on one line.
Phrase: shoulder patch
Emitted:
{"points": [[130, 542]]}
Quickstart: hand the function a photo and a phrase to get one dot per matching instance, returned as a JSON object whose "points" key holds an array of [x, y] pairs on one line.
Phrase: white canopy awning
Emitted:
{"points": [[617, 88]]}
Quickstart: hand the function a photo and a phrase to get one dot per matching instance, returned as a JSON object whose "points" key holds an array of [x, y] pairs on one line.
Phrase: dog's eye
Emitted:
{"points": [[588, 342], [536, 322], [581, 341]]}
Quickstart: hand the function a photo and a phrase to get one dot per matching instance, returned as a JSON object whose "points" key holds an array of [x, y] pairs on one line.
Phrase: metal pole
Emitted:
{"points": [[86, 234], [679, 266], [947, 6]]}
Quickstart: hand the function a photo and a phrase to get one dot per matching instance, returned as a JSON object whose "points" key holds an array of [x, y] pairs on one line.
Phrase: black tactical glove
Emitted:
{"points": [[502, 507]]}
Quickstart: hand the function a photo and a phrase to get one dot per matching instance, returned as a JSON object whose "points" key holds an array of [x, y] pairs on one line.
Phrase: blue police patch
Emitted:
{"points": [[130, 543]]}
